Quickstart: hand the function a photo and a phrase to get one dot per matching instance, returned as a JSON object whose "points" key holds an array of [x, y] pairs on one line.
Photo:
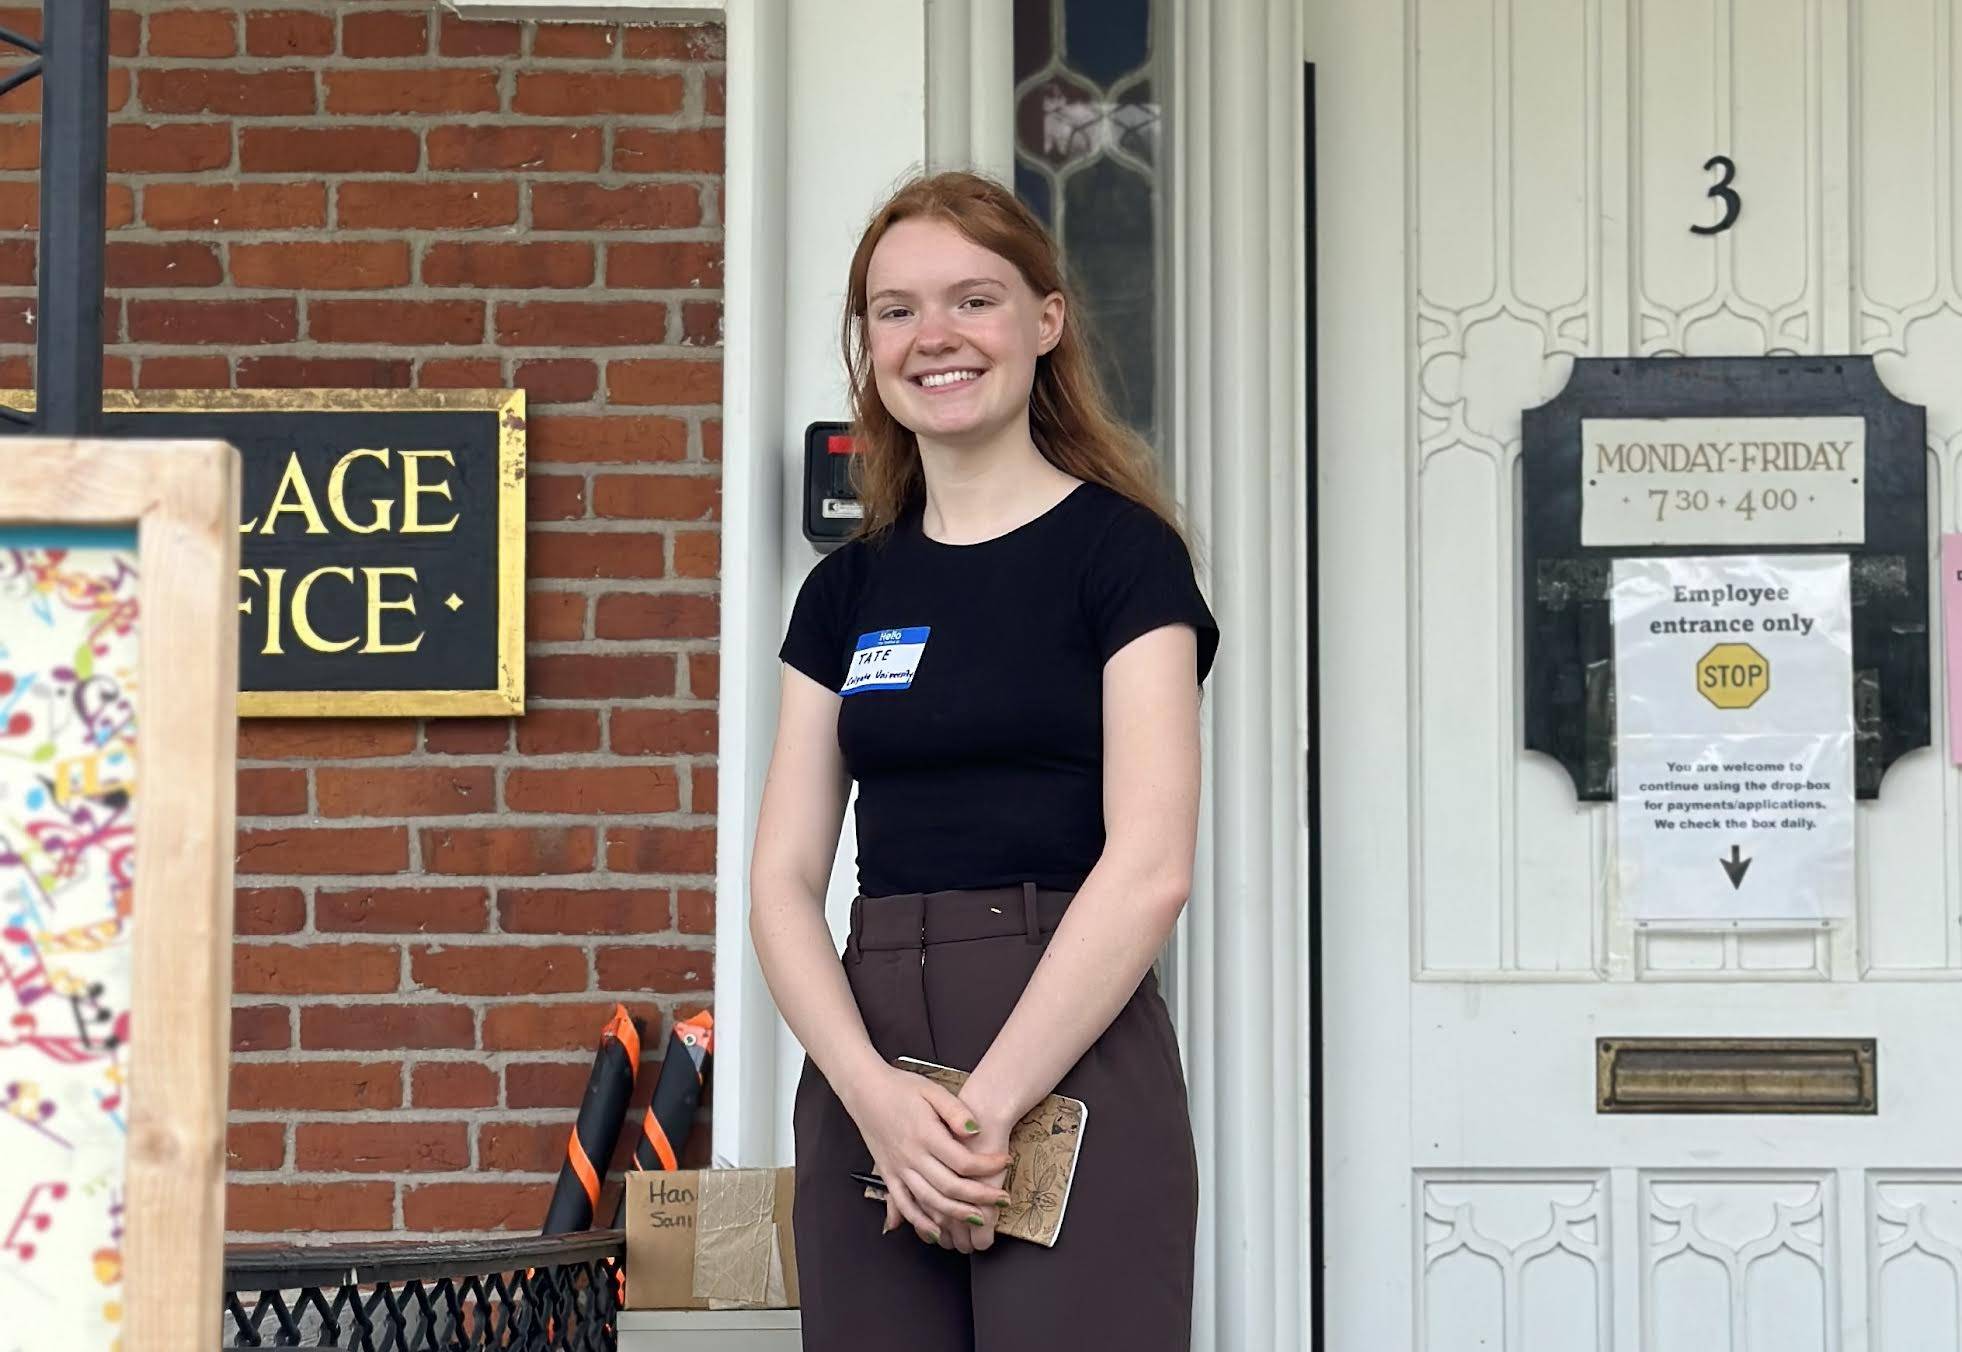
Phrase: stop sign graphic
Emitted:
{"points": [[1733, 675]]}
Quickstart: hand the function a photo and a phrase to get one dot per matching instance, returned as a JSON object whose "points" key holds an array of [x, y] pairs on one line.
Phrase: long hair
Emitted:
{"points": [[1070, 418]]}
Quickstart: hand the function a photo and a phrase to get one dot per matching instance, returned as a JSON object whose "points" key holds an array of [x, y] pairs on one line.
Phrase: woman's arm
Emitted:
{"points": [[909, 1123], [797, 824], [1123, 913]]}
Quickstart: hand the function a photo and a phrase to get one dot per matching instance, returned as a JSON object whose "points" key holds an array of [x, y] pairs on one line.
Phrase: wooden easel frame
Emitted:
{"points": [[183, 499]]}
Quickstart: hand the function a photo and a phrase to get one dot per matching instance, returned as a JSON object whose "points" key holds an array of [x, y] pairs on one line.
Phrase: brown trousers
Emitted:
{"points": [[936, 975]]}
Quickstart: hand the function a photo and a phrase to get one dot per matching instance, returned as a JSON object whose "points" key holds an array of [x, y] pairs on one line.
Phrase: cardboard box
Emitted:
{"points": [[710, 1239]]}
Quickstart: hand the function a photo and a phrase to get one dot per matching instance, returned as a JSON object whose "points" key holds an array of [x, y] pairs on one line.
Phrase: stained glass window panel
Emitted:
{"points": [[1089, 159]]}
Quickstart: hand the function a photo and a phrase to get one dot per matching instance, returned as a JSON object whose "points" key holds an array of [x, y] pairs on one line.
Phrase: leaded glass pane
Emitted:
{"points": [[1089, 159]]}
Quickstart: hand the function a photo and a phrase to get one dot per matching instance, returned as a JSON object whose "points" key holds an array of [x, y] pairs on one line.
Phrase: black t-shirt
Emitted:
{"points": [[971, 680]]}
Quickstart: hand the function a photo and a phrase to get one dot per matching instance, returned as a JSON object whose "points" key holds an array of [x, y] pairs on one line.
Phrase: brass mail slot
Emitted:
{"points": [[1735, 1075]]}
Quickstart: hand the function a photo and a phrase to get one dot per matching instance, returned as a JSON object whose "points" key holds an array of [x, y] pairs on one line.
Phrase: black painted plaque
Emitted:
{"points": [[381, 560], [1569, 637]]}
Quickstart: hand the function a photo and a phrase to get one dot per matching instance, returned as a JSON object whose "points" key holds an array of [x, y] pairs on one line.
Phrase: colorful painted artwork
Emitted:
{"points": [[67, 779]]}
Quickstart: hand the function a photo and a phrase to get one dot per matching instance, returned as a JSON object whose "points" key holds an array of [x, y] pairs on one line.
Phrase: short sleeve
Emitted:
{"points": [[814, 641], [1140, 578]]}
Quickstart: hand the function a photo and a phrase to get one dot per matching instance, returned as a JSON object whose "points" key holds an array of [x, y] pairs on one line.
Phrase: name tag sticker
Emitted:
{"points": [[885, 659]]}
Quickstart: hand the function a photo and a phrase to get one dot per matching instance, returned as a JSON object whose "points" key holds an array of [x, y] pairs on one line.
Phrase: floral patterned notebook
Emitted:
{"points": [[1042, 1159]]}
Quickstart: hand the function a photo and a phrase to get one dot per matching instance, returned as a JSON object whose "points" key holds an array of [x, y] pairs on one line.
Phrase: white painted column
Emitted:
{"points": [[971, 86], [1242, 980], [827, 111]]}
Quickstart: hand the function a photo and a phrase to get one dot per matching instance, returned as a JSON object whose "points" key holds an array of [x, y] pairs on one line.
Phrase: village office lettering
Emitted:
{"points": [[1723, 481], [272, 606], [381, 544]]}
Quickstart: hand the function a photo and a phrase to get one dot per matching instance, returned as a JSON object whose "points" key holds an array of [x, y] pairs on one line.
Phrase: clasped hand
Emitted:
{"points": [[943, 1167]]}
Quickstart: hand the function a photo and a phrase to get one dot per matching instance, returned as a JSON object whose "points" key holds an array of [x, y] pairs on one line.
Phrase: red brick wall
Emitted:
{"points": [[435, 917]]}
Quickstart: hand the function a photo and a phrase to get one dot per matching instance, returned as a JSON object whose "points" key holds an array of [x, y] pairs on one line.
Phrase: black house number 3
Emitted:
{"points": [[1723, 192]]}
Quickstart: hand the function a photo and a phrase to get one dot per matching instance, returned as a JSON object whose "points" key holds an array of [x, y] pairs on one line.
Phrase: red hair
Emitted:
{"points": [[1070, 418]]}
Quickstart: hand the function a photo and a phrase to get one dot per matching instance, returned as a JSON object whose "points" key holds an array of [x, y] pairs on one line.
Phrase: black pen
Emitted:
{"points": [[869, 1180]]}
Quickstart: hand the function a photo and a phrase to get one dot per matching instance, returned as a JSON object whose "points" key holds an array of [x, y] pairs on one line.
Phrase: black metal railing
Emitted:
{"points": [[535, 1293]]}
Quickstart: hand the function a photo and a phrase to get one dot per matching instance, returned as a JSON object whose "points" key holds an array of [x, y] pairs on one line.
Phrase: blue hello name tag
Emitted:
{"points": [[885, 659]]}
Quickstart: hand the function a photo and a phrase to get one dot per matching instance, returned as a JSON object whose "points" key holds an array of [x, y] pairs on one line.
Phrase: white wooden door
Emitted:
{"points": [[1503, 185]]}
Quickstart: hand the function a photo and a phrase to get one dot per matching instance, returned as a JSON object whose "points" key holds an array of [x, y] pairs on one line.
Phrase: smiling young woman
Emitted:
{"points": [[1007, 658]]}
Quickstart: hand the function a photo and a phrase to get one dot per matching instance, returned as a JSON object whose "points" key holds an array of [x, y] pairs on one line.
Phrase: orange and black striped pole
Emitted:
{"points": [[597, 1128], [676, 1095]]}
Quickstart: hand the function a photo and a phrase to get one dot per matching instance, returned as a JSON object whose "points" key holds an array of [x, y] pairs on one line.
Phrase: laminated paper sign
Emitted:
{"points": [[1734, 738]]}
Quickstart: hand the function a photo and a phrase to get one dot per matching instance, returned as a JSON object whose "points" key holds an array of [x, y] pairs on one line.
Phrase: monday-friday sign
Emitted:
{"points": [[1723, 481], [1734, 738]]}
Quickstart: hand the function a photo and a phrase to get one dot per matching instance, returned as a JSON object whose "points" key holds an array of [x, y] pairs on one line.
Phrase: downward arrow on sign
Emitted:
{"points": [[1735, 867]]}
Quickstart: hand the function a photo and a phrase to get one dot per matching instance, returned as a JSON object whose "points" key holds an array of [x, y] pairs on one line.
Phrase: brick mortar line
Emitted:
{"points": [[418, 1176], [481, 761], [487, 820], [628, 586], [692, 115], [534, 882], [338, 179], [150, 8], [548, 295], [308, 347], [338, 61], [610, 647], [585, 940], [497, 816], [596, 702], [431, 998], [600, 177], [446, 760], [484, 818], [136, 113], [489, 816], [499, 1059], [517, 882], [490, 297], [694, 882], [668, 938], [337, 1117], [245, 62], [439, 760], [628, 525]]}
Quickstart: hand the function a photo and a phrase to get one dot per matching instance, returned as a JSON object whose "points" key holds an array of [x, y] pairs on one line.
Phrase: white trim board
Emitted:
{"points": [[827, 111]]}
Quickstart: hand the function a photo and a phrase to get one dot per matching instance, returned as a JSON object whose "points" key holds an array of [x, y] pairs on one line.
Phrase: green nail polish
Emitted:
{"points": [[975, 1220], [973, 1128]]}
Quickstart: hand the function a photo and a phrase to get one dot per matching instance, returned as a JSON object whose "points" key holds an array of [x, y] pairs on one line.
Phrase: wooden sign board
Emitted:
{"points": [[382, 538], [118, 670]]}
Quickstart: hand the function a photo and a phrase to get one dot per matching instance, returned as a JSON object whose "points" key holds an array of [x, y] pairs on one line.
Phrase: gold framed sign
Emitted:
{"points": [[381, 543]]}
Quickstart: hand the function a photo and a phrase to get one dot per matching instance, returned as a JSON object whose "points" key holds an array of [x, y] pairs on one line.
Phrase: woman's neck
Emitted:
{"points": [[978, 492]]}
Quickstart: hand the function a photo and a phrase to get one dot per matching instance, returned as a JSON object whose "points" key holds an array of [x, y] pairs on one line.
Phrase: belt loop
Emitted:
{"points": [[1030, 920], [853, 949]]}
